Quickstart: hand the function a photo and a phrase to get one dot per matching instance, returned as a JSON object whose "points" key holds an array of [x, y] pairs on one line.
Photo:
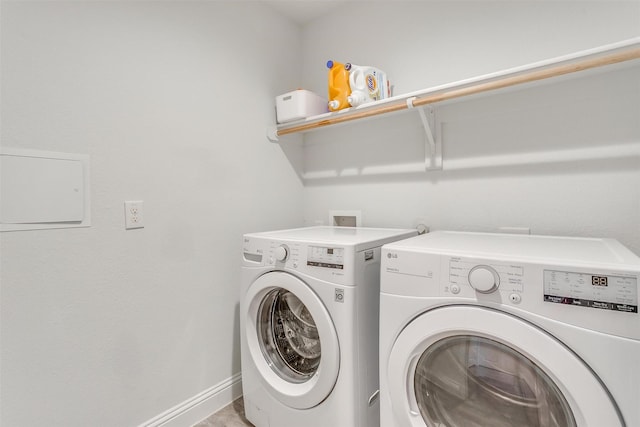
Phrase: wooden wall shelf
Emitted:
{"points": [[627, 50]]}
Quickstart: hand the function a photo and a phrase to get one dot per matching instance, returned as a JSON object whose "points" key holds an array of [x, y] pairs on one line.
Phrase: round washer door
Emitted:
{"points": [[292, 340], [473, 366]]}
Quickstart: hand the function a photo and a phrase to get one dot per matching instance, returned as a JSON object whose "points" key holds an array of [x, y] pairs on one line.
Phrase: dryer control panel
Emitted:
{"points": [[466, 272], [597, 290], [485, 279], [586, 282]]}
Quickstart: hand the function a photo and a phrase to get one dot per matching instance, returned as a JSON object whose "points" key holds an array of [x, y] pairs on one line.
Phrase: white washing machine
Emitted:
{"points": [[503, 330], [309, 326]]}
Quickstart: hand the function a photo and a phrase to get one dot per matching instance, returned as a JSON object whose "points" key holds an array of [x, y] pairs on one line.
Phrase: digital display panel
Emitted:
{"points": [[606, 292], [320, 256], [599, 280]]}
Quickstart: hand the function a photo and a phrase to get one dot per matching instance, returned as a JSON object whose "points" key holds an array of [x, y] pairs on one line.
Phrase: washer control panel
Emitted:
{"points": [[323, 261], [328, 257]]}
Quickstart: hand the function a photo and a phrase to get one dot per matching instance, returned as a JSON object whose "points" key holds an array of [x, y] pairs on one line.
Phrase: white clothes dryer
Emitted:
{"points": [[503, 330], [309, 309]]}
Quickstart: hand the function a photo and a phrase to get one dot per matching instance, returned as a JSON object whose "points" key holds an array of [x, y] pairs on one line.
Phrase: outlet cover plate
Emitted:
{"points": [[133, 214]]}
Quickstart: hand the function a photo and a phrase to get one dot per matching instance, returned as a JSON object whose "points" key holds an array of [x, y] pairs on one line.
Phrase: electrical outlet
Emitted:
{"points": [[133, 214]]}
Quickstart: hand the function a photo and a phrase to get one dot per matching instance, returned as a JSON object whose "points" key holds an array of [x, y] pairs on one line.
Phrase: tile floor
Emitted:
{"points": [[231, 415]]}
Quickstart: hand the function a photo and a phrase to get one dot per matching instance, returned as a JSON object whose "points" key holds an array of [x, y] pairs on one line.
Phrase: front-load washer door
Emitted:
{"points": [[292, 340], [469, 366]]}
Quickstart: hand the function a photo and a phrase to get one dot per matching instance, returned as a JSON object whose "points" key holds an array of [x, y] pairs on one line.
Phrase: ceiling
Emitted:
{"points": [[303, 11]]}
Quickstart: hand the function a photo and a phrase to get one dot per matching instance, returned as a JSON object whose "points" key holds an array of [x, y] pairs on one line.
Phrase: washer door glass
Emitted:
{"points": [[475, 381], [289, 337]]}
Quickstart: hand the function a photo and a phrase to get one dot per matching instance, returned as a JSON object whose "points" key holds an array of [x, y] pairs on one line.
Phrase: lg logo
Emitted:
{"points": [[390, 255]]}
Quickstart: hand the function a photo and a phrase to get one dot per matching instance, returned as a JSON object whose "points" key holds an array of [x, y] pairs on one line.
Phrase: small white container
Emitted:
{"points": [[299, 104]]}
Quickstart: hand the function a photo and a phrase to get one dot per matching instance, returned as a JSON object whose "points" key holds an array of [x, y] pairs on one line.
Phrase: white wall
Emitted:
{"points": [[107, 327], [503, 155]]}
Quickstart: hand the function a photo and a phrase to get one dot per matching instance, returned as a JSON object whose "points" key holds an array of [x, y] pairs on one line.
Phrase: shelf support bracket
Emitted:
{"points": [[272, 133], [433, 143]]}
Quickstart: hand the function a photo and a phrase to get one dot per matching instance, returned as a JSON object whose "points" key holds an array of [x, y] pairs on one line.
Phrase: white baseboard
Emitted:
{"points": [[200, 406]]}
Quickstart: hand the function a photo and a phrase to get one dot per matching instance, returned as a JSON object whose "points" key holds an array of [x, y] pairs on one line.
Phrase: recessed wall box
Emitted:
{"points": [[299, 104], [42, 189], [345, 218]]}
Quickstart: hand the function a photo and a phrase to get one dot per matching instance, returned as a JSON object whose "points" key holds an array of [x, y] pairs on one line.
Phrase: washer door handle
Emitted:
{"points": [[411, 398], [374, 398]]}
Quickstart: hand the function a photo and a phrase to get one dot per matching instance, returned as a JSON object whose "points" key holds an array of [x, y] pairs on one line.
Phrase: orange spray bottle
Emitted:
{"points": [[339, 88]]}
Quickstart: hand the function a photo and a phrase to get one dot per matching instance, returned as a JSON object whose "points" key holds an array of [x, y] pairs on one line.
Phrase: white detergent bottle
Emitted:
{"points": [[367, 84]]}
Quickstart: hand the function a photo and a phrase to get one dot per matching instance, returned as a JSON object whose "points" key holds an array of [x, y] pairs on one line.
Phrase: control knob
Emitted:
{"points": [[281, 253], [484, 279]]}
